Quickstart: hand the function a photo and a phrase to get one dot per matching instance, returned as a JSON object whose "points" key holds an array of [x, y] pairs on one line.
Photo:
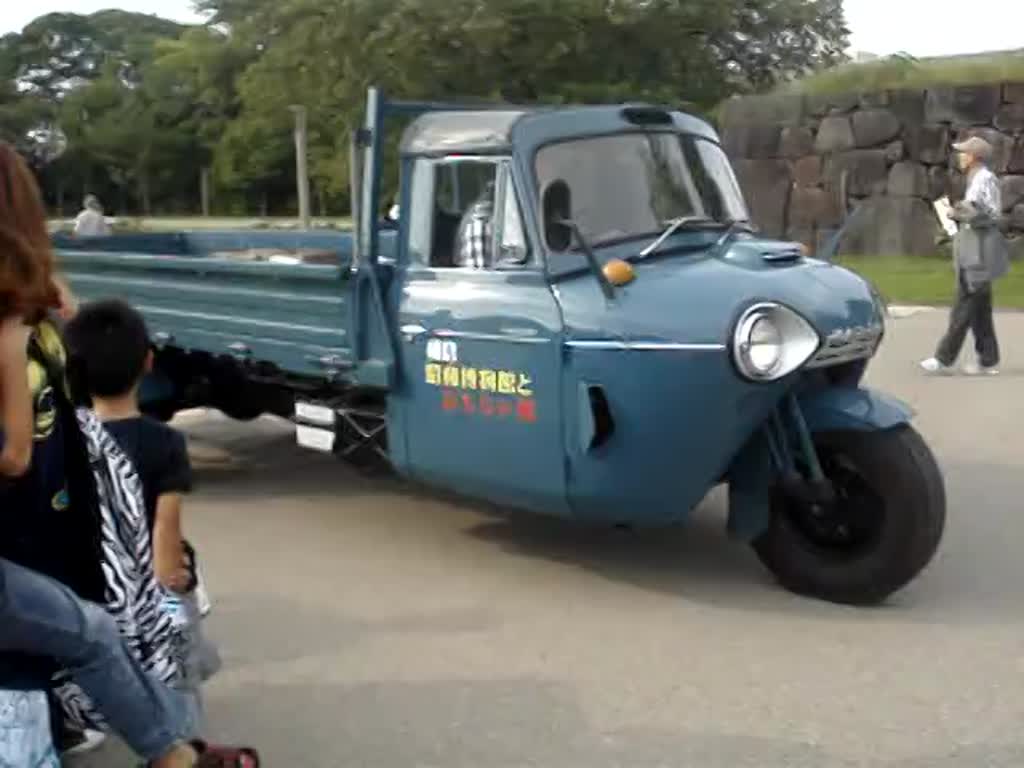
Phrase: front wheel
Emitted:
{"points": [[881, 530]]}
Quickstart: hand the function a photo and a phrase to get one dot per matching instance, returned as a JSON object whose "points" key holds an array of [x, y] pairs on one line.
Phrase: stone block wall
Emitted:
{"points": [[894, 148]]}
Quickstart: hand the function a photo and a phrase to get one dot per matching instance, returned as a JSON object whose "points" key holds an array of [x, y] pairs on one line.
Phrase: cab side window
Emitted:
{"points": [[463, 221], [475, 220]]}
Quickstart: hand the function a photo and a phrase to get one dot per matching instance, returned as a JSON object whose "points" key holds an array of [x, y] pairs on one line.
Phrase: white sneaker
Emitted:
{"points": [[934, 366], [976, 369]]}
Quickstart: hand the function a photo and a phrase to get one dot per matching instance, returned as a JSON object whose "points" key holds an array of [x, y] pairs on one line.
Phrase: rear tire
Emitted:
{"points": [[884, 528]]}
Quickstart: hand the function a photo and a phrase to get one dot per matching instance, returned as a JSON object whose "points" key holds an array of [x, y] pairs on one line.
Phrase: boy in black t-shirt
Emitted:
{"points": [[109, 353], [108, 356]]}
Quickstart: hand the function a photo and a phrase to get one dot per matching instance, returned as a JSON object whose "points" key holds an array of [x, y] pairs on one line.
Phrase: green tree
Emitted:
{"points": [[147, 107], [324, 53], [58, 52], [193, 80], [253, 157], [77, 82]]}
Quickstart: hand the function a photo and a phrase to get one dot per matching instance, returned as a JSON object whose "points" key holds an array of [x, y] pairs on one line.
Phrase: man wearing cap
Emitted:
{"points": [[980, 258]]}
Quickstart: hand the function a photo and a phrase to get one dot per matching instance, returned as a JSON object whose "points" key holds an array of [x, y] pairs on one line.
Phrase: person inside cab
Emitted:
{"points": [[474, 241]]}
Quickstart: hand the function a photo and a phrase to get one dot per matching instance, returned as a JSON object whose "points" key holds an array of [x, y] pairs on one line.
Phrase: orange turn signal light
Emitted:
{"points": [[619, 272]]}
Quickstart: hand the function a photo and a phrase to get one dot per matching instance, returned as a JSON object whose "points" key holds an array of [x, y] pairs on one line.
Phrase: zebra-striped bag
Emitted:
{"points": [[133, 595]]}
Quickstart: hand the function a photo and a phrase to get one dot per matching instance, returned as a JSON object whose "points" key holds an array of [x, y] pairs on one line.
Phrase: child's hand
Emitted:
{"points": [[177, 581], [14, 336]]}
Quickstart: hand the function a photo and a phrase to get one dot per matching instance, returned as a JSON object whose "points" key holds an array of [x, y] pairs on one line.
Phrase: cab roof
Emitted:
{"points": [[495, 131]]}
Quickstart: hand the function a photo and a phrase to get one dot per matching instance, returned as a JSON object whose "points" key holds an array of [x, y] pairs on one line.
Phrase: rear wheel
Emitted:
{"points": [[881, 530]]}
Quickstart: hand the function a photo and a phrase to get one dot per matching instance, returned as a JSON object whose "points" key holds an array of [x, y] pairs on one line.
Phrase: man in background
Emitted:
{"points": [[91, 222], [980, 258]]}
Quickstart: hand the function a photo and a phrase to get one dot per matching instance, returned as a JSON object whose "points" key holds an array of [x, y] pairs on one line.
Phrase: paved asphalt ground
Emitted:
{"points": [[364, 623]]}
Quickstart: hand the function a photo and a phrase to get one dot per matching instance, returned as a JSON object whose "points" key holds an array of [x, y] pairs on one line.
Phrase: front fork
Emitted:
{"points": [[781, 453], [794, 457]]}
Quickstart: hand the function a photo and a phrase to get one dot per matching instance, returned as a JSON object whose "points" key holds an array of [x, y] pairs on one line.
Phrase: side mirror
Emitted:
{"points": [[557, 208]]}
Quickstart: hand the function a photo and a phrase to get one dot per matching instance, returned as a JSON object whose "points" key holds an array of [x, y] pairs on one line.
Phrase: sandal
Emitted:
{"points": [[219, 756]]}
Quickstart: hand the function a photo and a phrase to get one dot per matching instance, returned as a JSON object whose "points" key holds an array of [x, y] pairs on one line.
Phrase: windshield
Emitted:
{"points": [[631, 185]]}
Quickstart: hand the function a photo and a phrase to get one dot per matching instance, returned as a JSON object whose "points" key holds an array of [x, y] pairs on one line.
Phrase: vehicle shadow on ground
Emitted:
{"points": [[253, 465], [973, 579]]}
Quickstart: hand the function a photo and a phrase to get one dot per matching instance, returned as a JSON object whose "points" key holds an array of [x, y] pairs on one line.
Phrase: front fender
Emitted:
{"points": [[751, 475], [853, 408]]}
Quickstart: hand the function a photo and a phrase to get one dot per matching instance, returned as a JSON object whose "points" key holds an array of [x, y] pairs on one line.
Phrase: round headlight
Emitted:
{"points": [[772, 341], [764, 346]]}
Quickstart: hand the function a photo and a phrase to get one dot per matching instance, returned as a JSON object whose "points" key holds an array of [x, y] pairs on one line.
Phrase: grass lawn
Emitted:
{"points": [[921, 280]]}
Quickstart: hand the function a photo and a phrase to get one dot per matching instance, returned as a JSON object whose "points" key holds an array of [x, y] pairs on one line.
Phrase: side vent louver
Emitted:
{"points": [[604, 425]]}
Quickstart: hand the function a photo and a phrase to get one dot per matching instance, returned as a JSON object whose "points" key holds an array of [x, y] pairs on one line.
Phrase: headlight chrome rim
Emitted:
{"points": [[746, 348], [797, 343]]}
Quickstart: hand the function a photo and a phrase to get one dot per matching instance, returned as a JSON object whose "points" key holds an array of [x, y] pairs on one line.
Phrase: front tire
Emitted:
{"points": [[882, 530]]}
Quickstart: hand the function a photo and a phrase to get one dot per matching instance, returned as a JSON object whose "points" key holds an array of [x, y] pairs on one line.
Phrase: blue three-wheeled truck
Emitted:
{"points": [[571, 316]]}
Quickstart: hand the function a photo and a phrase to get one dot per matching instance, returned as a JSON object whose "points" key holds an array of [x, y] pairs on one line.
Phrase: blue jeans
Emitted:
{"points": [[41, 616]]}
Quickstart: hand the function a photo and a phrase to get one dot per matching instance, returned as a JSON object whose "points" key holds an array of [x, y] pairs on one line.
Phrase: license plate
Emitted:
{"points": [[314, 414], [315, 438]]}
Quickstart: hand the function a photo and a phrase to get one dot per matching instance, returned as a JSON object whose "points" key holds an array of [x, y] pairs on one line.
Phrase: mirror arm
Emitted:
{"points": [[595, 265]]}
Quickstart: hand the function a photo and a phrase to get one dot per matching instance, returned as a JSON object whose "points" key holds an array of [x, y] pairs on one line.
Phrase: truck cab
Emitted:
{"points": [[525, 376]]}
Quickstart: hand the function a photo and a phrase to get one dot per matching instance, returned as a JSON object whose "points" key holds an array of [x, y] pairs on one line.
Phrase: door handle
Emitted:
{"points": [[412, 331]]}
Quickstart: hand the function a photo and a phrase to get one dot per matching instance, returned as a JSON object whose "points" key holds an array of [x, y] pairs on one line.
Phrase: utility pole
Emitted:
{"points": [[301, 171], [204, 190]]}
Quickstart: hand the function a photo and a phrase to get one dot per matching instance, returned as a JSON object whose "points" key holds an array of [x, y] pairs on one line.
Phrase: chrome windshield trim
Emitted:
{"points": [[645, 346]]}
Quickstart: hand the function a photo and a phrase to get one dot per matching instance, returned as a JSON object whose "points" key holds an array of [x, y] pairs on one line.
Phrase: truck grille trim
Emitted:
{"points": [[847, 345]]}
